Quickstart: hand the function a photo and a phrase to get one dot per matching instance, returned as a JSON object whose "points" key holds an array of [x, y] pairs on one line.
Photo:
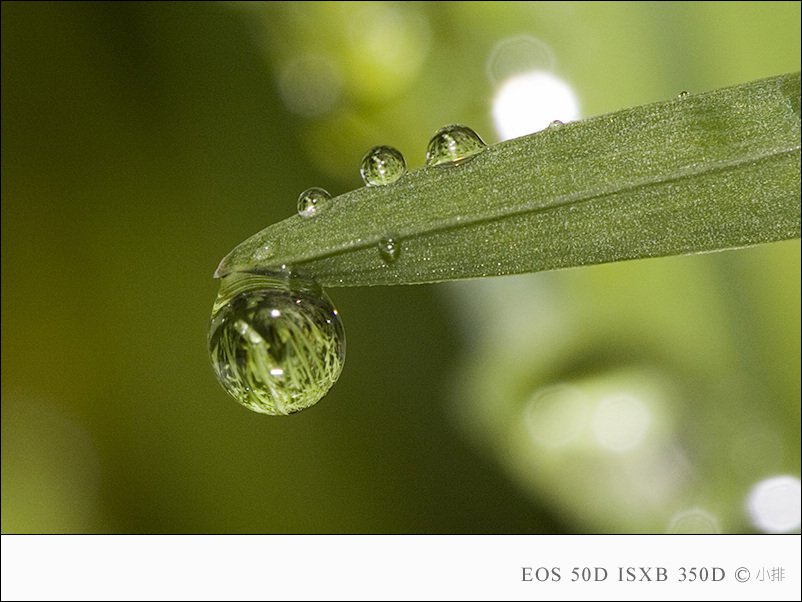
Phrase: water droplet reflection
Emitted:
{"points": [[276, 342], [452, 145], [312, 200], [389, 250], [382, 165]]}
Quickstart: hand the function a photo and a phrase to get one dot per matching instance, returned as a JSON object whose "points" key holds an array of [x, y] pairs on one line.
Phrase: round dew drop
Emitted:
{"points": [[452, 145], [276, 342], [312, 200], [389, 250], [382, 165]]}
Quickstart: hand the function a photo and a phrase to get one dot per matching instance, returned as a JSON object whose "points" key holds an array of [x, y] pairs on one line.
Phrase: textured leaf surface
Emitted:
{"points": [[702, 173]]}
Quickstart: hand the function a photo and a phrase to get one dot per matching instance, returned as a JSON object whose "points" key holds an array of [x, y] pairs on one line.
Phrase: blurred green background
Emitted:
{"points": [[142, 141]]}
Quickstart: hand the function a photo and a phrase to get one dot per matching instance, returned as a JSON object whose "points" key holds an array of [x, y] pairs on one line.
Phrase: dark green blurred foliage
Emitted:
{"points": [[142, 141]]}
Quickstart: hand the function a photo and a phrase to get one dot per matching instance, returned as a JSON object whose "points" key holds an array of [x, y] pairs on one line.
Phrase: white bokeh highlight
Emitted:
{"points": [[694, 521], [516, 55], [775, 504], [556, 415], [620, 422], [528, 102]]}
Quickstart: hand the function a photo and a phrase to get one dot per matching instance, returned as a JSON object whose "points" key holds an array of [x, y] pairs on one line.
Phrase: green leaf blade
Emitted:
{"points": [[703, 173]]}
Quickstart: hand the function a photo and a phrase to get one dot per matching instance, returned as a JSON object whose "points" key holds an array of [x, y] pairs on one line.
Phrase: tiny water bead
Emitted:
{"points": [[276, 342], [452, 145], [382, 165], [389, 250], [555, 124], [312, 200], [683, 94]]}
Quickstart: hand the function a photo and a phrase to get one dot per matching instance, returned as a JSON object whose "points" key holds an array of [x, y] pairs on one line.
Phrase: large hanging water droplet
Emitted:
{"points": [[312, 200], [453, 145], [276, 342], [382, 165], [389, 250]]}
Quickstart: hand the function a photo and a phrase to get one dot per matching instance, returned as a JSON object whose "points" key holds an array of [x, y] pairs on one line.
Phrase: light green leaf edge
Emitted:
{"points": [[698, 173]]}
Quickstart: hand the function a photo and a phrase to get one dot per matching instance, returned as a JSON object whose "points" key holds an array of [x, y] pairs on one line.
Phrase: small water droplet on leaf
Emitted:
{"points": [[382, 165], [312, 200], [389, 250], [452, 145]]}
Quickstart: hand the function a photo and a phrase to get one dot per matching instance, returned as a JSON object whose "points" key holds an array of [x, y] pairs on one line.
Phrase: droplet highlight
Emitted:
{"points": [[452, 145], [683, 94], [382, 165], [389, 250], [312, 200], [555, 124], [276, 342]]}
